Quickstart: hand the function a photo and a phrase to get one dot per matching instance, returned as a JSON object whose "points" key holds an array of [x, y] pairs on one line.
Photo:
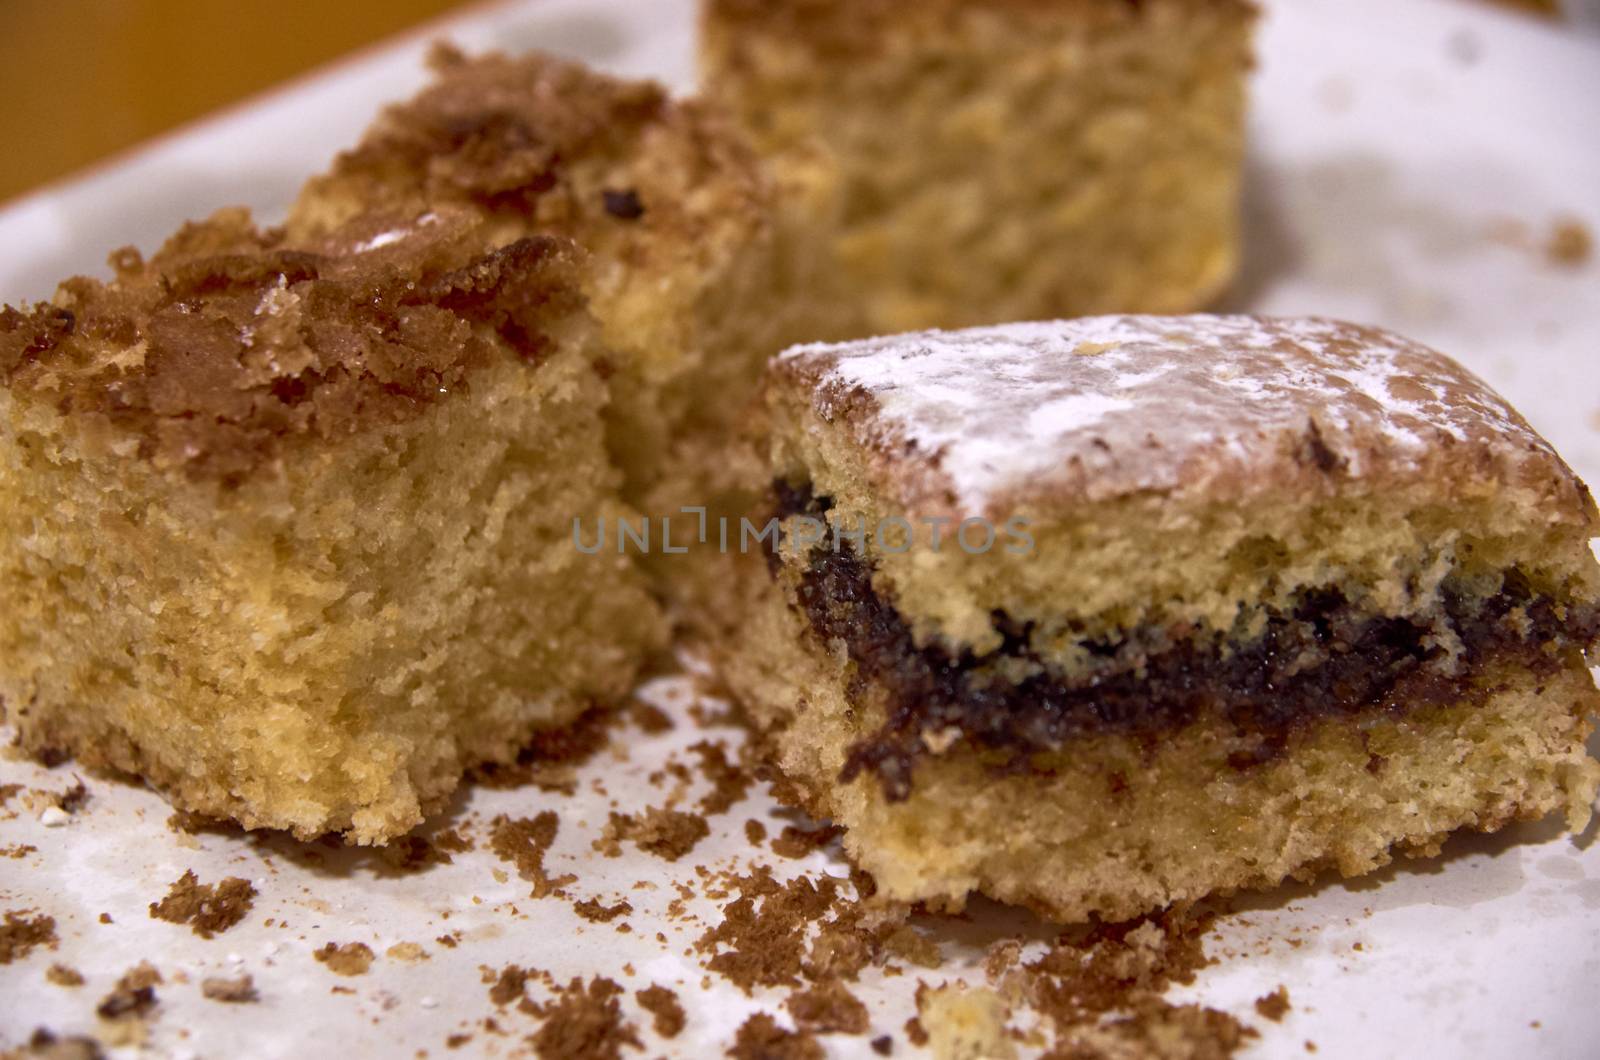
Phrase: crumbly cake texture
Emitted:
{"points": [[676, 212], [999, 160], [285, 526], [1294, 594]]}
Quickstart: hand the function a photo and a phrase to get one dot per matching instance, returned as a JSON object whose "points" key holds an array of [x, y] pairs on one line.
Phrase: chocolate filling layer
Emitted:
{"points": [[1361, 661]]}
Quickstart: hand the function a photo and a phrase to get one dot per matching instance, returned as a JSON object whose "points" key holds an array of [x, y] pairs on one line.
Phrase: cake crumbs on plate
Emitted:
{"points": [[134, 995], [668, 834], [584, 1022], [796, 842], [63, 975], [523, 842], [761, 1038], [351, 959], [666, 1011], [729, 780], [1570, 243], [47, 1045], [1274, 1005], [208, 909], [591, 910], [21, 933], [828, 1008], [238, 990]]}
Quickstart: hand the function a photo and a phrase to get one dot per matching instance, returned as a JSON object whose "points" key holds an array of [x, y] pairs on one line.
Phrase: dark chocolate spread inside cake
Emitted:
{"points": [[1364, 662]]}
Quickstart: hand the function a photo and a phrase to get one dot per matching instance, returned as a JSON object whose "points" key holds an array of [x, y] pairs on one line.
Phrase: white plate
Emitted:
{"points": [[1408, 162]]}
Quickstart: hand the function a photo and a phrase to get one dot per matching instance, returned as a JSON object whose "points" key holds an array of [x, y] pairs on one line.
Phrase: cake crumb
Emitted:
{"points": [[883, 1045], [665, 1010], [18, 850], [510, 984], [523, 842], [239, 990], [46, 1045], [406, 953], [755, 832], [584, 1023], [796, 842], [1274, 1005], [729, 781], [965, 1022], [20, 934], [760, 1038], [63, 975], [668, 834], [594, 912], [1571, 244], [353, 958], [134, 995], [828, 1008], [208, 909]]}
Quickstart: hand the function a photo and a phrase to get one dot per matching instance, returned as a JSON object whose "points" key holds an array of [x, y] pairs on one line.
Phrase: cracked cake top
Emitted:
{"points": [[230, 340]]}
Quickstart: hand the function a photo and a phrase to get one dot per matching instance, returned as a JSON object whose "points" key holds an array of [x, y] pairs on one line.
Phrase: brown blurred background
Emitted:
{"points": [[82, 79]]}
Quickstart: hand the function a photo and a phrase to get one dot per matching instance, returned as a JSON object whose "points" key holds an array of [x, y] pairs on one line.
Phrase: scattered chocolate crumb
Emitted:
{"points": [[1311, 1046], [510, 985], [523, 842], [19, 850], [798, 842], [760, 1038], [208, 909], [1571, 244], [1112, 978], [828, 1008], [456, 1041], [650, 718], [914, 1032], [412, 853], [453, 841], [231, 991], [406, 953], [353, 958], [105, 918], [584, 1023], [883, 1045], [450, 941], [755, 832], [21, 933], [729, 781], [665, 1010], [1274, 1005], [187, 822], [63, 975], [766, 943], [134, 995], [909, 944], [7, 792], [668, 834], [593, 911], [45, 1045]]}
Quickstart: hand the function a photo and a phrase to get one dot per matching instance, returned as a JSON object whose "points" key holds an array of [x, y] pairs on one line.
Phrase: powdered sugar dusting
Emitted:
{"points": [[1138, 402]]}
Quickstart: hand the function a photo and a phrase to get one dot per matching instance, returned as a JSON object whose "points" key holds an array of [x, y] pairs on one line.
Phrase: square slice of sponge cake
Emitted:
{"points": [[285, 529], [977, 161], [676, 212], [1103, 615]]}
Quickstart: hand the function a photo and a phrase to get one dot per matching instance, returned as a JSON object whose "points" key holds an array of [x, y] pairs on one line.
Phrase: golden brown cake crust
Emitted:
{"points": [[502, 134], [1197, 407], [229, 341], [851, 27]]}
